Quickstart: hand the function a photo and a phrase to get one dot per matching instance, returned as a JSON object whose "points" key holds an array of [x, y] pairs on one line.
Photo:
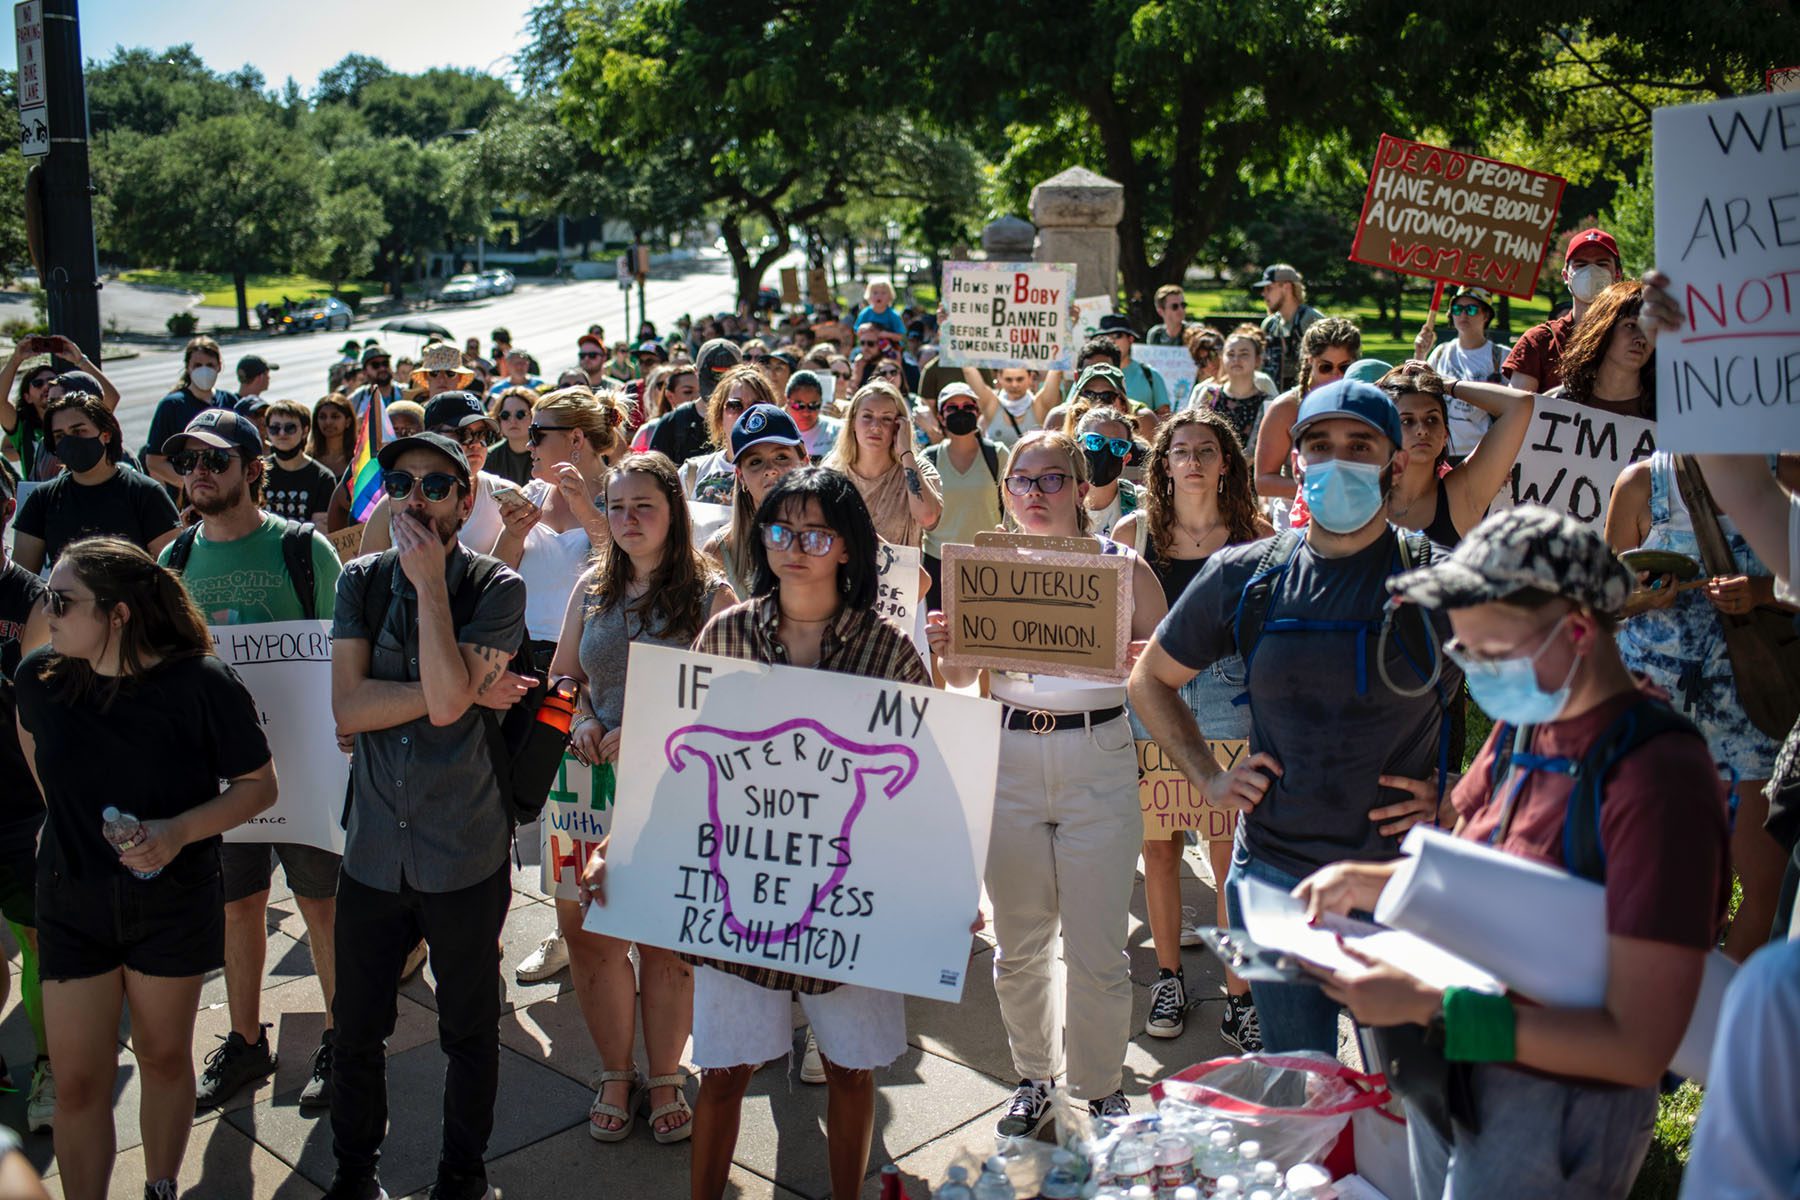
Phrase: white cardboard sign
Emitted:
{"points": [[1572, 456], [577, 814], [1174, 364], [1008, 314]]}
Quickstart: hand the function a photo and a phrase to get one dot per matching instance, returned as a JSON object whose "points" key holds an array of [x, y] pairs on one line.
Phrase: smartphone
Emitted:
{"points": [[506, 495]]}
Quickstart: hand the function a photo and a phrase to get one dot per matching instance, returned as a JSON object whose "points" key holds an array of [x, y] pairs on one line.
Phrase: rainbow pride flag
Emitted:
{"points": [[365, 487]]}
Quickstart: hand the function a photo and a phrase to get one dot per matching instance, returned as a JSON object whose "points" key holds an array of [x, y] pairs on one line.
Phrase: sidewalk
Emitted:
{"points": [[940, 1098]]}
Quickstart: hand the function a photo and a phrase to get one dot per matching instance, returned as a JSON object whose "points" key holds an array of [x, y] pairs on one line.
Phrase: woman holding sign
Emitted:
{"points": [[814, 572], [1197, 501], [650, 586], [1067, 826], [1430, 495], [903, 495]]}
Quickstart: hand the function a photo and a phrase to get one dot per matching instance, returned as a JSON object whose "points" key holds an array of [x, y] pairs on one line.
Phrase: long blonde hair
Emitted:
{"points": [[1065, 445], [844, 455]]}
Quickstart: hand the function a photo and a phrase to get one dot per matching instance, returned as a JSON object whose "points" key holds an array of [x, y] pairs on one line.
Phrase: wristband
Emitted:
{"points": [[1450, 388], [1479, 1026]]}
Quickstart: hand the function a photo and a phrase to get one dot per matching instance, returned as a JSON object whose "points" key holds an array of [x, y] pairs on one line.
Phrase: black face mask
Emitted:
{"points": [[80, 453], [962, 422], [1103, 466], [289, 455]]}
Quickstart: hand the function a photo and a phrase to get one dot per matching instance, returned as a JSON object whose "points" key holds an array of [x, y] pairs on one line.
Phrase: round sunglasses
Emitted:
{"points": [[434, 485]]}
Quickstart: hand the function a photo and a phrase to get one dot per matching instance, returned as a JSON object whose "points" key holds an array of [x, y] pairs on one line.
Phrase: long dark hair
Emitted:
{"points": [[1423, 381], [674, 603], [30, 423], [315, 440], [163, 621], [1237, 502], [98, 415], [843, 509], [1586, 350]]}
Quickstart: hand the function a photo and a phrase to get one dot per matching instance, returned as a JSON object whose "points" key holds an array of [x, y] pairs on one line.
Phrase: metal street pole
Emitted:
{"points": [[71, 275]]}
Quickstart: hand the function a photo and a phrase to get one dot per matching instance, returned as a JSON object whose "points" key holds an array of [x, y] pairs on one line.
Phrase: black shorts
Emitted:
{"points": [[249, 866], [171, 926], [18, 874]]}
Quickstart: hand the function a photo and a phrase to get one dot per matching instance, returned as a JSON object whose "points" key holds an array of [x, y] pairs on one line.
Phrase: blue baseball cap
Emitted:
{"points": [[763, 423], [1354, 399]]}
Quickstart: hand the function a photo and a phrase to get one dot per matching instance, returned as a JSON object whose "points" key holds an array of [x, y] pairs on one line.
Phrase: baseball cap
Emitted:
{"points": [[763, 423], [252, 365], [1101, 370], [390, 453], [715, 358], [373, 350], [1354, 399], [249, 406], [220, 428], [1369, 370], [1276, 273], [951, 391], [453, 408], [590, 339], [1480, 295], [79, 383], [1116, 323], [1526, 547], [652, 346], [1591, 237]]}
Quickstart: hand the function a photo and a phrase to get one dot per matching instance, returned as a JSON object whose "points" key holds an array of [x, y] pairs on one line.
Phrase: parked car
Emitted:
{"points": [[500, 281], [327, 312], [465, 287]]}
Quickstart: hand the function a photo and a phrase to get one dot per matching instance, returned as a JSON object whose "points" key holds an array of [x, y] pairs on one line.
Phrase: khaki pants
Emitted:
{"points": [[1064, 853]]}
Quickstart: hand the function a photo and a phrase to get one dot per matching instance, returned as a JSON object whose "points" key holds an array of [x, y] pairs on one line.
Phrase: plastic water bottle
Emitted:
{"points": [[121, 829], [1220, 1158], [1174, 1164], [1228, 1188], [1262, 1194], [1142, 1191], [1268, 1175], [1064, 1179], [1306, 1181], [1190, 1192], [1134, 1164], [955, 1186], [994, 1183], [1249, 1153]]}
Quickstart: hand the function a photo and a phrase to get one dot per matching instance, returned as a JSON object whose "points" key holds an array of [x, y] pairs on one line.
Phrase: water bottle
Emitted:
{"points": [[1142, 1191], [994, 1183], [1306, 1181], [1228, 1188], [1190, 1192], [1262, 1194], [1267, 1175], [1063, 1180], [121, 829], [955, 1186], [1249, 1153], [1220, 1159], [1174, 1164]]}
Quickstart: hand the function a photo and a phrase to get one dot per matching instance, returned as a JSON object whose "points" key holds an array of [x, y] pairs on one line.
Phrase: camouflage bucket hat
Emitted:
{"points": [[1525, 547]]}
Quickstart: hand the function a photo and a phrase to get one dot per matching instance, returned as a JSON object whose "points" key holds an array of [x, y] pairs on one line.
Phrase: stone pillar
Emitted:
{"points": [[1009, 240], [1077, 215]]}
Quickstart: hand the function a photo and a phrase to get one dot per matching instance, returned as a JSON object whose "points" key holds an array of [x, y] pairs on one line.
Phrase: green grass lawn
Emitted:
{"points": [[217, 290]]}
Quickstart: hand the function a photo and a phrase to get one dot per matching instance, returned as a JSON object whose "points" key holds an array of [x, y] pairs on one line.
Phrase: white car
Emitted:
{"points": [[500, 281], [465, 287]]}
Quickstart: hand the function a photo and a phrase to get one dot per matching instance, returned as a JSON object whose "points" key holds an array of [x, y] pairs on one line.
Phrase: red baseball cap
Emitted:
{"points": [[1591, 237], [588, 339]]}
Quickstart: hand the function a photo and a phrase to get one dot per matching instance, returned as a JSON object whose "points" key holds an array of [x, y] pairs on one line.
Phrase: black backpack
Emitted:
{"points": [[296, 554]]}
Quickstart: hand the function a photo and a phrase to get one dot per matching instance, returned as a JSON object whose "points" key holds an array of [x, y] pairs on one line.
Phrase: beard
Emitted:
{"points": [[222, 500]]}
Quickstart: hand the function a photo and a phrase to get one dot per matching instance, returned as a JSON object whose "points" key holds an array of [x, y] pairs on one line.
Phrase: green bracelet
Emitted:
{"points": [[1479, 1026]]}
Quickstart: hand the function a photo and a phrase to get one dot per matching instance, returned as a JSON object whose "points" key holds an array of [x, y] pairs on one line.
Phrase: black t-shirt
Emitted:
{"points": [[20, 593], [160, 749], [681, 434], [298, 493], [132, 506], [514, 466]]}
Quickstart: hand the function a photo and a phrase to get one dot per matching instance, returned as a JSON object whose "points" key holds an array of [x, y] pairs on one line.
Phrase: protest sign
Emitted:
{"points": [[1572, 456], [1728, 234], [1034, 541], [1174, 364], [286, 665], [824, 824], [790, 285], [1001, 314], [1171, 804], [1088, 311], [346, 541], [577, 815], [1782, 79], [818, 288], [1457, 217], [707, 519], [1052, 611], [897, 595]]}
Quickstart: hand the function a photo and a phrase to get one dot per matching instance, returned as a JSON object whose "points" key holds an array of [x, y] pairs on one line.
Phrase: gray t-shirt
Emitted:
{"points": [[1332, 737], [606, 637]]}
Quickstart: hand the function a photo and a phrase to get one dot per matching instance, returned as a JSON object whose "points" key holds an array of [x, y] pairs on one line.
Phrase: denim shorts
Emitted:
{"points": [[171, 926]]}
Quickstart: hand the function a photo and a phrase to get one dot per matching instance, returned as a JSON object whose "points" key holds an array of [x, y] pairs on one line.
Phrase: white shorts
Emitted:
{"points": [[737, 1022]]}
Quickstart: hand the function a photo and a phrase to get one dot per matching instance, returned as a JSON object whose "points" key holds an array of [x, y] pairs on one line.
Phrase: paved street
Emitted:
{"points": [[939, 1100]]}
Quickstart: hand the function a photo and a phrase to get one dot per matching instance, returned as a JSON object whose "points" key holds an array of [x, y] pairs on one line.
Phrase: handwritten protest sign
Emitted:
{"points": [[1171, 804], [1458, 217], [707, 519], [829, 825], [1572, 456], [1174, 364], [1728, 234], [346, 541], [1002, 314], [818, 288], [790, 285], [1034, 541], [1782, 79], [897, 595], [287, 667], [1051, 611], [1088, 311], [577, 815]]}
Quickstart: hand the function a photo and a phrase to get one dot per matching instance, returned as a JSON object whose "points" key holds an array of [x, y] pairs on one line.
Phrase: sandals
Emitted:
{"points": [[627, 1116], [679, 1104]]}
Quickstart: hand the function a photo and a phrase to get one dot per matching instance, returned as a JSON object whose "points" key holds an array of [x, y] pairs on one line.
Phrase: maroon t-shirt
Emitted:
{"points": [[1539, 353], [1662, 823]]}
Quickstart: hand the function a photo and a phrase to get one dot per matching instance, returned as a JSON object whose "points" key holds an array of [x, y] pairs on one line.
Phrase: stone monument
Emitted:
{"points": [[1077, 215], [1009, 240]]}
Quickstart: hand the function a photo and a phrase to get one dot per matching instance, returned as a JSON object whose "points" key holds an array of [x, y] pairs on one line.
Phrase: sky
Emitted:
{"points": [[303, 37]]}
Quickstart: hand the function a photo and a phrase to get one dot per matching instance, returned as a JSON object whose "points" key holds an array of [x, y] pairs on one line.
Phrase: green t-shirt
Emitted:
{"points": [[245, 582]]}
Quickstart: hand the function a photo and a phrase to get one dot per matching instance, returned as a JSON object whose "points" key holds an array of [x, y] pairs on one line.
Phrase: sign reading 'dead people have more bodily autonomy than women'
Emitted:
{"points": [[287, 667], [1456, 217], [1050, 610], [805, 821], [1000, 314], [1728, 235], [1573, 455]]}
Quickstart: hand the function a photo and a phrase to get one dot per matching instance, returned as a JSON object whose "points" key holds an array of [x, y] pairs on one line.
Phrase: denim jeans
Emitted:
{"points": [[1294, 1016]]}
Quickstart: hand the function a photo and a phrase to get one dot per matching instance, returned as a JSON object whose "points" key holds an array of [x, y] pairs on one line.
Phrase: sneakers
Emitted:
{"points": [[359, 1187], [233, 1065], [456, 1186], [1029, 1109], [1240, 1026], [40, 1105], [1190, 927], [317, 1092], [1168, 1003], [1110, 1107], [812, 1067], [160, 1189], [551, 956], [415, 958]]}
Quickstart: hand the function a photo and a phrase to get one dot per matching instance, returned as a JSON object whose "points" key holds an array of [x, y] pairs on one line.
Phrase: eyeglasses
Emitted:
{"points": [[435, 486], [803, 406], [814, 543], [1464, 310], [1097, 442], [590, 354], [537, 433], [59, 603], [514, 414], [183, 462], [285, 428], [1049, 483], [472, 434], [1106, 397]]}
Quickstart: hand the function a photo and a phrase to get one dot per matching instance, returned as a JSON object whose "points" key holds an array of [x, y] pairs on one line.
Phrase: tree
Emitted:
{"points": [[344, 83], [347, 234], [421, 193], [234, 194], [429, 106], [148, 92]]}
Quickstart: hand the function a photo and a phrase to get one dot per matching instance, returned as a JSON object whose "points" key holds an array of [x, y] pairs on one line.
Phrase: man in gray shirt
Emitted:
{"points": [[421, 639]]}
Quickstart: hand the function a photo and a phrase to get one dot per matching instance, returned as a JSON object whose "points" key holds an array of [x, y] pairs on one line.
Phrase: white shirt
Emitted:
{"points": [[1467, 423], [550, 565], [482, 529]]}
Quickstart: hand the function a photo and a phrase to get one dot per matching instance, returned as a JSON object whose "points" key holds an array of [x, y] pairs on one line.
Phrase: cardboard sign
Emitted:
{"points": [[1728, 234], [287, 667], [897, 594], [1174, 364], [1782, 79], [818, 288], [576, 817], [1457, 217], [1171, 804], [1008, 315], [346, 541], [1572, 456], [1088, 311], [790, 285], [1035, 541], [827, 825], [1051, 612]]}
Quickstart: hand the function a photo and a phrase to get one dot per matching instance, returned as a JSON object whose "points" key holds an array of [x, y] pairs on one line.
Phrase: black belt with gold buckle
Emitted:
{"points": [[1039, 721]]}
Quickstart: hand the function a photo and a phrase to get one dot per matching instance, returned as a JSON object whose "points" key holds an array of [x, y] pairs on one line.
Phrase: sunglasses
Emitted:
{"points": [[183, 462], [759, 360], [888, 372], [841, 374], [41, 381], [590, 354], [59, 603], [951, 408], [802, 406], [537, 433], [514, 414], [284, 428], [435, 486], [1098, 442], [1464, 310], [814, 543], [376, 362], [1049, 483], [1324, 367], [1097, 397], [467, 435], [733, 406]]}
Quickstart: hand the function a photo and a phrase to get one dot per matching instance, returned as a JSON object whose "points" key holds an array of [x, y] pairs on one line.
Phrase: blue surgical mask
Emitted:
{"points": [[1342, 496], [1507, 689]]}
